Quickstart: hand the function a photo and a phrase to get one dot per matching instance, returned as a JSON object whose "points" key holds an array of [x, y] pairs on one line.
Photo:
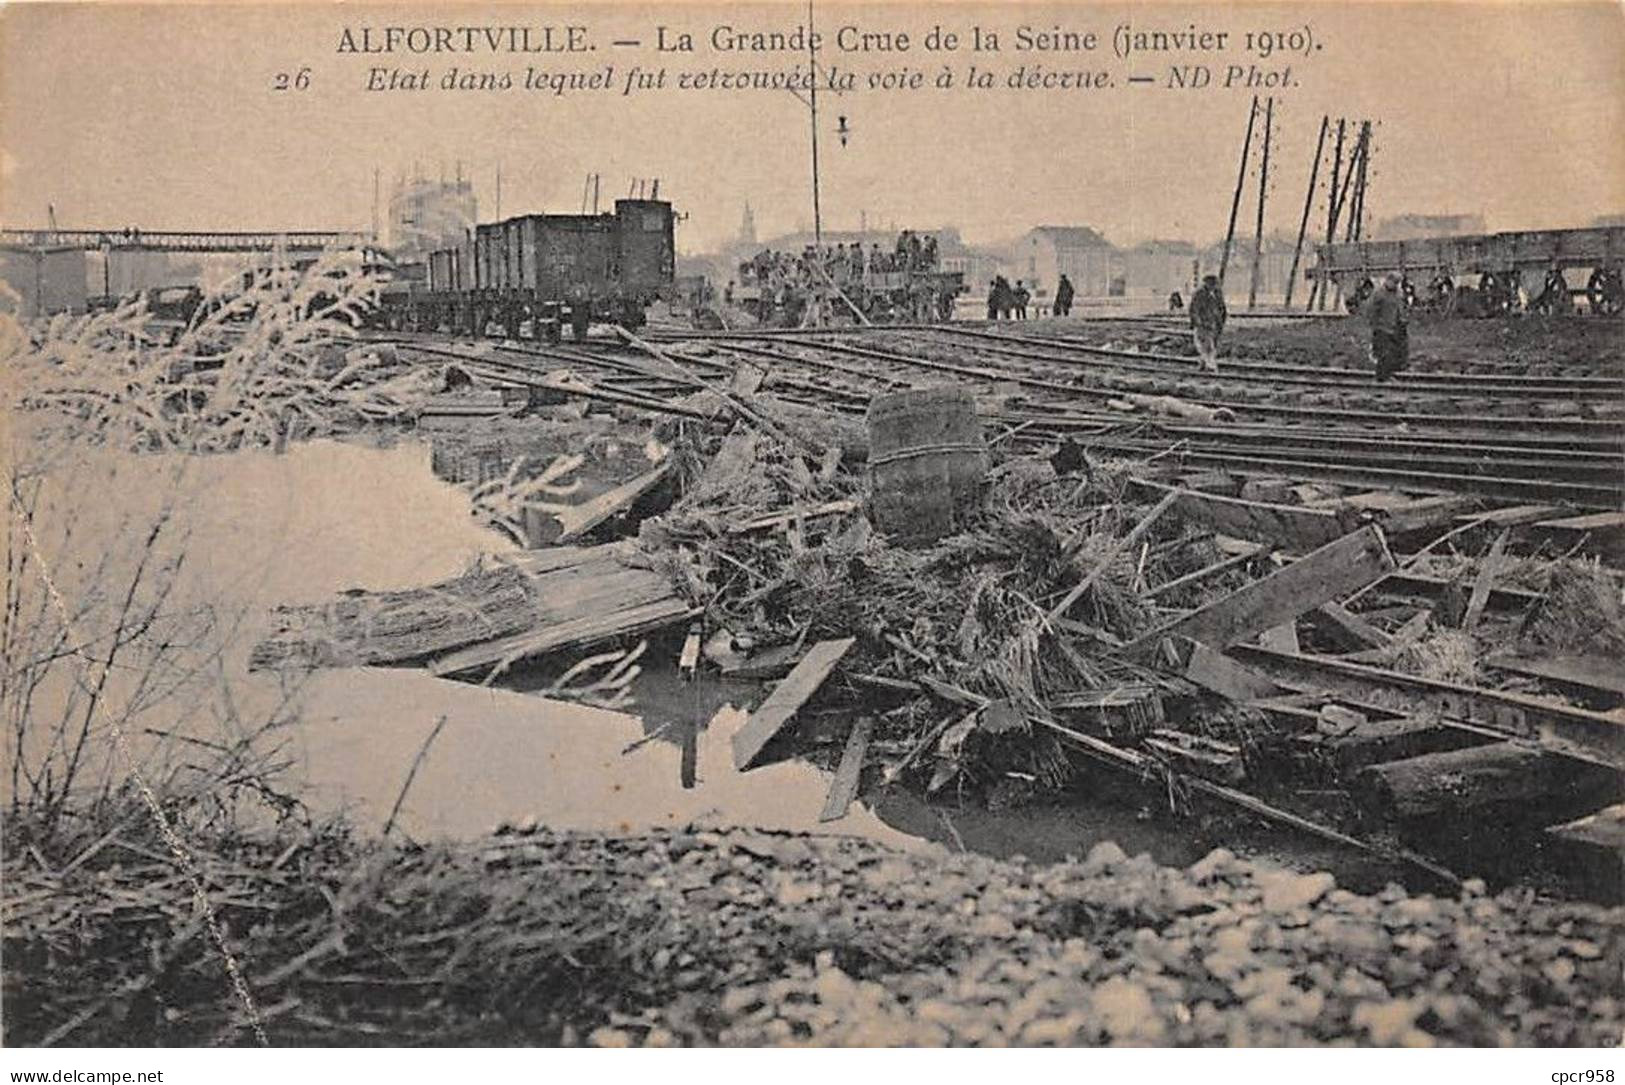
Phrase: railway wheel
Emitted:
{"points": [[580, 322], [552, 330], [945, 307], [1605, 290]]}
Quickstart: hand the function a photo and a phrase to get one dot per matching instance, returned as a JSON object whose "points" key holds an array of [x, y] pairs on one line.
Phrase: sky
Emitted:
{"points": [[166, 117]]}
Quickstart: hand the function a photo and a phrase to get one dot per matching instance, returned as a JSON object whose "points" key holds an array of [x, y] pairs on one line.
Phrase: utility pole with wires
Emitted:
{"points": [[1263, 194], [1235, 200], [1308, 205], [812, 106]]}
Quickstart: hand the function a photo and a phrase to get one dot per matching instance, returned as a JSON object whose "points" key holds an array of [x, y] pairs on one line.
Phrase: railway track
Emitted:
{"points": [[1576, 462]]}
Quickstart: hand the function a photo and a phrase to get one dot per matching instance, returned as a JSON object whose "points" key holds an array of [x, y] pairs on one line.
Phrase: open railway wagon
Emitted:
{"points": [[912, 295], [528, 276], [1549, 268]]}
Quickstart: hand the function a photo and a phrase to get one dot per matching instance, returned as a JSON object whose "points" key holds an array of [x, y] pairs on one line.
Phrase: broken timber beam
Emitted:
{"points": [[1605, 828], [1576, 732], [1334, 570], [786, 699], [573, 521], [1499, 774], [844, 787], [568, 634], [1144, 767], [1215, 569], [1486, 580], [1293, 527], [1219, 673], [1344, 625], [1111, 555]]}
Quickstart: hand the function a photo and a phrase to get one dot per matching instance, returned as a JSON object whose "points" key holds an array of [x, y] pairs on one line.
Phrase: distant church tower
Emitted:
{"points": [[747, 227]]}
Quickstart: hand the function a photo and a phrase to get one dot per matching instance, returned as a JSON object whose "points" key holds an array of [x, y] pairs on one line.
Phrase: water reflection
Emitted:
{"points": [[505, 756]]}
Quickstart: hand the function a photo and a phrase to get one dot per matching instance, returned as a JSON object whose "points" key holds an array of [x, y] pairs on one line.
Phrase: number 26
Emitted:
{"points": [[297, 81]]}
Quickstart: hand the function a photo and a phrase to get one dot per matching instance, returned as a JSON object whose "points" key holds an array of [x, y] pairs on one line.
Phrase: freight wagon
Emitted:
{"points": [[530, 275], [1548, 267]]}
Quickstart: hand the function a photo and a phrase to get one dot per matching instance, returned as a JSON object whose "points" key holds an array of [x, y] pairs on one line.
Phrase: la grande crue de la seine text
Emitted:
{"points": [[850, 38]]}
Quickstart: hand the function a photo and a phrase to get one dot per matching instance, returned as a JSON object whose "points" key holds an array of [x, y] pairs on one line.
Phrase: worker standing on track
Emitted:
{"points": [[1063, 297], [1208, 314], [1390, 338]]}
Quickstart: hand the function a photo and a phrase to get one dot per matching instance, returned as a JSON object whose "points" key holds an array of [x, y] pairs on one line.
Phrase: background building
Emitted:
{"points": [[1045, 253]]}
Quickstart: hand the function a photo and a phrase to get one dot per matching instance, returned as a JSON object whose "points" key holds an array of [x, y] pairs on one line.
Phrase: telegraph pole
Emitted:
{"points": [[1263, 193], [1235, 201], [812, 102], [1308, 204], [1323, 284]]}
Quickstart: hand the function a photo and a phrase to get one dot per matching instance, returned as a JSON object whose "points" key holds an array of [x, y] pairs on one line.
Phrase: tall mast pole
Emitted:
{"points": [[1323, 284], [1308, 205], [1263, 193], [1235, 201], [812, 100]]}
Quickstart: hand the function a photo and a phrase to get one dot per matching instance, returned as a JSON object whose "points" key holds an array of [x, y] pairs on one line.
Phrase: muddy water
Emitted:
{"points": [[265, 530]]}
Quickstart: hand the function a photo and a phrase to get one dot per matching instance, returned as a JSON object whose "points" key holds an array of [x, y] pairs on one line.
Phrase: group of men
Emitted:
{"points": [[1385, 312], [1006, 302], [840, 263]]}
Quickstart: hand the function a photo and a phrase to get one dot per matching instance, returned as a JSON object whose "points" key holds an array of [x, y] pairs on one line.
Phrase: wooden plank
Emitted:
{"points": [[1348, 627], [1575, 732], [1211, 570], [1512, 515], [1291, 526], [844, 787], [569, 634], [550, 558], [1334, 570], [1604, 674], [779, 519], [786, 699], [575, 521], [1596, 521], [774, 662], [1498, 774], [1605, 828], [1283, 637], [1374, 741], [1425, 513], [1486, 579], [1111, 555], [1144, 768], [1222, 675]]}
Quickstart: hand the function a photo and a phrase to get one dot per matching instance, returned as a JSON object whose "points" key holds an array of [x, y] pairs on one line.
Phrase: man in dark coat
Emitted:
{"points": [[1208, 314], [1063, 297], [1390, 337]]}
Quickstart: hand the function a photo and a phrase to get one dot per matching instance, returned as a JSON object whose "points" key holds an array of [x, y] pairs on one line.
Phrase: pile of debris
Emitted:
{"points": [[981, 614]]}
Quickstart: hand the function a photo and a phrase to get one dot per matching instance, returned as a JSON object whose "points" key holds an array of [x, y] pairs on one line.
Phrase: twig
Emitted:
{"points": [[411, 773]]}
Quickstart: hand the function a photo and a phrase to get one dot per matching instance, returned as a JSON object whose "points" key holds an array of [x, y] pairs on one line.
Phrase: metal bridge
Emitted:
{"points": [[132, 239]]}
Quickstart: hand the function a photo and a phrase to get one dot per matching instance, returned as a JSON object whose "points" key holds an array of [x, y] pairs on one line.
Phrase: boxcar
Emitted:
{"points": [[532, 274]]}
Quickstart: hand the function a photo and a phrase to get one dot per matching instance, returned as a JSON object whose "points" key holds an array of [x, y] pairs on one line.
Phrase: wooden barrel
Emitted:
{"points": [[927, 461]]}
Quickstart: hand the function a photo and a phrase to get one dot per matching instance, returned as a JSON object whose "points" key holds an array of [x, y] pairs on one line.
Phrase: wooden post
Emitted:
{"points": [[1323, 285], [1359, 188], [1308, 203], [1235, 200], [1333, 570], [1263, 194]]}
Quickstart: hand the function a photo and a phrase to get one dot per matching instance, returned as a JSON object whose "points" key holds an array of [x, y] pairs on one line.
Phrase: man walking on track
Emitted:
{"points": [[1208, 314], [1390, 338]]}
